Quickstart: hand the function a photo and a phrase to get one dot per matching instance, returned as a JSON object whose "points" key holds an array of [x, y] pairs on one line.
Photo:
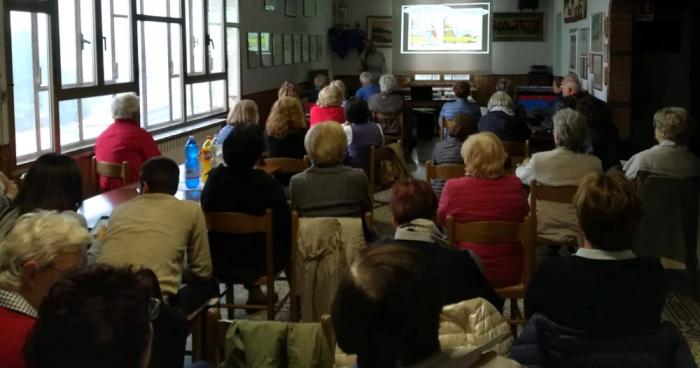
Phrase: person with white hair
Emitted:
{"points": [[40, 250], [369, 86], [386, 101], [571, 92], [564, 165], [125, 140], [671, 157], [502, 121]]}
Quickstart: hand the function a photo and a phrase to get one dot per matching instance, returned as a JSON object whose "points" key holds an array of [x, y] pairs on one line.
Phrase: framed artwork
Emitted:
{"points": [[320, 46], [583, 42], [253, 50], [597, 66], [597, 32], [277, 49], [309, 8], [574, 10], [288, 47], [265, 49], [297, 48], [313, 53], [518, 27], [290, 8], [573, 55], [319, 9], [583, 67], [379, 30], [270, 5], [304, 48]]}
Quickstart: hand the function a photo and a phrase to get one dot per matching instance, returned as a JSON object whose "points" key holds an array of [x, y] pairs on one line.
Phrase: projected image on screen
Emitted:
{"points": [[445, 28]]}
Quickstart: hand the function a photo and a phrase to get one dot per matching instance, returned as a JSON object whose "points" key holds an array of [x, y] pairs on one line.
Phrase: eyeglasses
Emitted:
{"points": [[154, 308]]}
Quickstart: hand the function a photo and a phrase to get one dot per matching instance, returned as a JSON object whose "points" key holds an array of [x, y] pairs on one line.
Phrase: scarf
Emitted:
{"points": [[420, 229], [507, 110]]}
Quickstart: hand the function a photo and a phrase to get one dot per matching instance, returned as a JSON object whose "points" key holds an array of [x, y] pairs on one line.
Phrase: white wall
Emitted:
{"points": [[253, 18], [594, 6]]}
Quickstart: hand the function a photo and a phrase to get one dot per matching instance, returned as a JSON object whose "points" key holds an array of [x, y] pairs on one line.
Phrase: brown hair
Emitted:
{"points": [[288, 89], [461, 126], [484, 155], [608, 210], [412, 199], [286, 116], [461, 89]]}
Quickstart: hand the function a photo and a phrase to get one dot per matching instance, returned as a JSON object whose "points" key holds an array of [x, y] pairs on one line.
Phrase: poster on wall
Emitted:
{"points": [[288, 58], [572, 51], [597, 32], [290, 8], [270, 5], [597, 71], [277, 49], [574, 10], [305, 48], [518, 27], [313, 54], [379, 29], [309, 8], [253, 50], [297, 48], [583, 67], [265, 49], [320, 46]]}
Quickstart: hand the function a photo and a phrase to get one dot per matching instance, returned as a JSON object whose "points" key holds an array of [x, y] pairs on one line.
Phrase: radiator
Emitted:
{"points": [[174, 148]]}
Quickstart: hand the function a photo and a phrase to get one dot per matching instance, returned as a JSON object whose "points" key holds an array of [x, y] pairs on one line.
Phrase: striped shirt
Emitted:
{"points": [[460, 106], [446, 152]]}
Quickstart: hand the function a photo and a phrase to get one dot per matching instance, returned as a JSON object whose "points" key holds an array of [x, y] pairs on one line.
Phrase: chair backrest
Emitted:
{"points": [[390, 120], [443, 172], [517, 151], [495, 232], [539, 192], [328, 332], [109, 170], [289, 165], [377, 156]]}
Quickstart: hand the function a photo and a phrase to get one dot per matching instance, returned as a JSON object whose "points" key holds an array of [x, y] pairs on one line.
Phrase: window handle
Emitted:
{"points": [[210, 42], [83, 41], [104, 42]]}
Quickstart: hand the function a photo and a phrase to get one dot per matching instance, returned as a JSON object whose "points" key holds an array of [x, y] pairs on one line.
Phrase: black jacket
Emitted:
{"points": [[507, 127]]}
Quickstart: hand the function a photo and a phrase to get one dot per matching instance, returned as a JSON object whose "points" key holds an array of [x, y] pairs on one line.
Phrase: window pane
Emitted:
{"points": [[96, 115], [218, 95], [116, 30], [121, 7], [87, 34], [45, 121], [233, 64], [216, 29], [199, 99], [23, 79], [77, 40], [69, 126], [158, 106], [68, 39], [176, 96], [175, 50], [155, 7], [232, 11], [195, 36], [175, 8]]}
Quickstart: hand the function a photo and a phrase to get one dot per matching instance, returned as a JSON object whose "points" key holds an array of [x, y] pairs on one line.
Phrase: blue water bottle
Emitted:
{"points": [[191, 163]]}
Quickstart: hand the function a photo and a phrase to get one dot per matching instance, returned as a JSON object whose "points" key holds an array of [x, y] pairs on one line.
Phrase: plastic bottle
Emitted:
{"points": [[206, 157], [192, 167]]}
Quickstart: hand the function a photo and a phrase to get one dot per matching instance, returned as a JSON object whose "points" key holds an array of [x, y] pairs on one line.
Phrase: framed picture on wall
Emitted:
{"points": [[290, 8], [297, 48], [597, 65], [313, 53], [583, 67], [253, 50], [583, 41], [319, 8], [597, 35], [265, 49], [518, 27], [309, 8], [574, 10], [379, 29], [270, 5], [277, 49], [304, 48], [320, 46], [573, 55], [288, 47]]}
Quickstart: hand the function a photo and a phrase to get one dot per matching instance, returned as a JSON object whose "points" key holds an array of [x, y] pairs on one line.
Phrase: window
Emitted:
{"points": [[63, 82]]}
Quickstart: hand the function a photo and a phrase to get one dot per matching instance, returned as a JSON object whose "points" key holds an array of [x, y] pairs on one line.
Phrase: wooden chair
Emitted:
{"points": [[240, 223], [494, 232], [216, 336], [289, 165], [517, 152], [390, 120], [562, 194], [294, 308], [443, 172], [197, 324], [109, 170], [379, 155]]}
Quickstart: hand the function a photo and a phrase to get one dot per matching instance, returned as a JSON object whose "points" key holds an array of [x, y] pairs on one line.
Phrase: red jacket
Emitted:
{"points": [[124, 140], [13, 333], [503, 199], [321, 114]]}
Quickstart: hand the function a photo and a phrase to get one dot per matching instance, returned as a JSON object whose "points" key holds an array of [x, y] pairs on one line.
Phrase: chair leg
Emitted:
{"points": [[514, 317], [197, 333], [271, 302], [229, 300]]}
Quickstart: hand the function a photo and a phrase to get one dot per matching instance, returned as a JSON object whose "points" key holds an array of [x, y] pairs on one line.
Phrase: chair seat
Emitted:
{"points": [[512, 292]]}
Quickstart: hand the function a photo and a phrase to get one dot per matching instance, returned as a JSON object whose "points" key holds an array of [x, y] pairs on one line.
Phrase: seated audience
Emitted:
{"points": [[486, 193], [414, 210], [285, 129], [125, 140], [449, 150], [320, 81], [461, 104], [341, 86], [328, 188], [603, 136], [288, 89], [387, 311], [41, 249], [328, 107], [238, 187], [99, 317], [506, 86], [160, 232], [502, 121], [369, 86], [53, 182], [361, 134], [604, 287], [8, 191], [561, 166], [245, 112], [671, 156], [386, 101], [571, 93]]}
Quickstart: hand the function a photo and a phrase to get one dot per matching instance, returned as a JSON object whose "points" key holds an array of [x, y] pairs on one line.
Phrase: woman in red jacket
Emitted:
{"points": [[486, 193], [328, 107]]}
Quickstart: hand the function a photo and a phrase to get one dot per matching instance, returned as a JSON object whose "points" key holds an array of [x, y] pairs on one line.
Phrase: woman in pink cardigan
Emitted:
{"points": [[486, 193]]}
